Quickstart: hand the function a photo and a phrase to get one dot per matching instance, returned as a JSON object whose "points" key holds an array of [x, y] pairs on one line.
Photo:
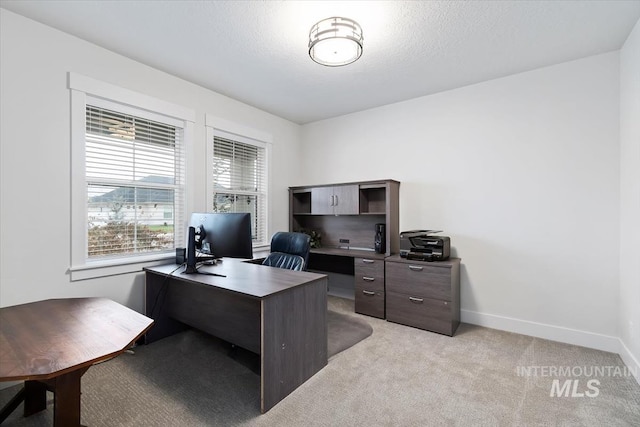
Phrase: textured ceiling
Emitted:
{"points": [[256, 51]]}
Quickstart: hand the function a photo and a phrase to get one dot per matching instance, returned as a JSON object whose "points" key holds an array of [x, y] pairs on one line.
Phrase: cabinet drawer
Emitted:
{"points": [[370, 282], [370, 266], [419, 280], [424, 313], [369, 273], [369, 301]]}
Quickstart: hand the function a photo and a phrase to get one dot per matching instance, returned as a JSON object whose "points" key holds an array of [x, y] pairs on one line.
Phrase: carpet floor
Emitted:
{"points": [[398, 376]]}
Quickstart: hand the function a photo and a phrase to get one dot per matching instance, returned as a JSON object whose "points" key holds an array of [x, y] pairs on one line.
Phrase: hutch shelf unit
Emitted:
{"points": [[345, 217]]}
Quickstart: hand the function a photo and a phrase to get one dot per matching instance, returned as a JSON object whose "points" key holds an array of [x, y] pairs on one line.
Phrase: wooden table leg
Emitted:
{"points": [[35, 397], [66, 403]]}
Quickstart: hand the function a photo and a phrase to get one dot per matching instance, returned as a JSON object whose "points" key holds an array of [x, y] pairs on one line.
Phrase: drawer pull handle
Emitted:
{"points": [[368, 279], [370, 293], [416, 300], [367, 261], [415, 268]]}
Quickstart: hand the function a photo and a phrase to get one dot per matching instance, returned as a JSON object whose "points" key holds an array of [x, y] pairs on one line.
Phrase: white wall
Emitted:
{"points": [[523, 173], [630, 199], [35, 155]]}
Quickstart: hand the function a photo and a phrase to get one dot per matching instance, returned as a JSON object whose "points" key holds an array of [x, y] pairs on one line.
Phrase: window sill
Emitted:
{"points": [[96, 269]]}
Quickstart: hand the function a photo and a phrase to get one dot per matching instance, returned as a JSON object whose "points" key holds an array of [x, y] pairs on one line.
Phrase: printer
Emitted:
{"points": [[421, 245]]}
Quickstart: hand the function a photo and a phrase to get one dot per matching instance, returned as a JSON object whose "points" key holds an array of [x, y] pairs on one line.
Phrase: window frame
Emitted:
{"points": [[84, 89], [217, 126]]}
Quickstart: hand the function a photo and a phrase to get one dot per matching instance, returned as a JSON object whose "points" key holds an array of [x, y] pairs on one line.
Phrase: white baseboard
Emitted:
{"points": [[631, 362], [541, 330], [555, 333]]}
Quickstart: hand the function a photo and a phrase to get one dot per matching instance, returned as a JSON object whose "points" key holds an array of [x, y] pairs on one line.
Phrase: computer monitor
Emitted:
{"points": [[223, 234]]}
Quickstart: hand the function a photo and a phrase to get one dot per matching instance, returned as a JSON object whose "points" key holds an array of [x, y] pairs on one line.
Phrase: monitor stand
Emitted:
{"points": [[194, 270], [192, 259]]}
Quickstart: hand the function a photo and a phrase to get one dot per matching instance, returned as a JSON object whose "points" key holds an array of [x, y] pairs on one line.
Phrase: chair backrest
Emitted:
{"points": [[282, 260], [292, 243]]}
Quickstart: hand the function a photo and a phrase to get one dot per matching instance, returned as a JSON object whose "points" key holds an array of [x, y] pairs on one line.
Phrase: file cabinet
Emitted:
{"points": [[424, 295]]}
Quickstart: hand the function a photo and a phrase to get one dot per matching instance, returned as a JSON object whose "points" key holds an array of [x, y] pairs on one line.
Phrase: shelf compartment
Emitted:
{"points": [[373, 199], [301, 202]]}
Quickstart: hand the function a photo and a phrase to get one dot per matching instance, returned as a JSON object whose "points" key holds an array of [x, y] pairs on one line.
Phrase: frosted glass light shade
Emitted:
{"points": [[335, 41]]}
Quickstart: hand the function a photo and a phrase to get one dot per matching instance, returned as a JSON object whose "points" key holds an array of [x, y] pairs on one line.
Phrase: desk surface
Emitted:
{"points": [[44, 339], [249, 279]]}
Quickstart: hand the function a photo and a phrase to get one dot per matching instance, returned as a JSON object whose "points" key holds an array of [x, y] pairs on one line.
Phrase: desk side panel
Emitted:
{"points": [[294, 345], [175, 303], [227, 315]]}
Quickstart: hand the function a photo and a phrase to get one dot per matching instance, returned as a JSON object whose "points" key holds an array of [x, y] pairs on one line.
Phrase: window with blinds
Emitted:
{"points": [[135, 184], [240, 182]]}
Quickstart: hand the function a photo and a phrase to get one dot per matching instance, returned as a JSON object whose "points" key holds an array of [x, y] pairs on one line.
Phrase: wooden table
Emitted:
{"points": [[50, 344], [277, 313]]}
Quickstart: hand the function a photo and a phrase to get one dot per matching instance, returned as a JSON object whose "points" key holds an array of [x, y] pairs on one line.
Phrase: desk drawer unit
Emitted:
{"points": [[424, 295], [369, 286]]}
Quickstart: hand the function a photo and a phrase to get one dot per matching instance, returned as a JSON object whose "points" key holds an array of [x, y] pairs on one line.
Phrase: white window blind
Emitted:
{"points": [[240, 182], [135, 184]]}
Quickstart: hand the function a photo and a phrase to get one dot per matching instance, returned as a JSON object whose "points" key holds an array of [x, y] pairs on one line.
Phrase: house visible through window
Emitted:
{"points": [[240, 181], [134, 181]]}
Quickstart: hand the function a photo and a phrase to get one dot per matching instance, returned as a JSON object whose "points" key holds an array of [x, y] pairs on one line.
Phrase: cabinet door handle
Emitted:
{"points": [[369, 293], [368, 261], [368, 279], [336, 200], [331, 202], [416, 300], [415, 268]]}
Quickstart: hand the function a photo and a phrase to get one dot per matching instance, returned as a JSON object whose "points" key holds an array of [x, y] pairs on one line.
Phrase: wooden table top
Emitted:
{"points": [[44, 339]]}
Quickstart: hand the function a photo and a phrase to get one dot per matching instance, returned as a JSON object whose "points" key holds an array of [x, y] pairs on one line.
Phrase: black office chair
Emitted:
{"points": [[289, 250]]}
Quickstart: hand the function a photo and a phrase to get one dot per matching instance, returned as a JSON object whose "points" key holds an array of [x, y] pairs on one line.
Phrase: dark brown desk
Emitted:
{"points": [[276, 313], [51, 344]]}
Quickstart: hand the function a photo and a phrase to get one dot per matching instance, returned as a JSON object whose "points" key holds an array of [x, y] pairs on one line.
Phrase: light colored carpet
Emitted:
{"points": [[344, 331], [398, 376]]}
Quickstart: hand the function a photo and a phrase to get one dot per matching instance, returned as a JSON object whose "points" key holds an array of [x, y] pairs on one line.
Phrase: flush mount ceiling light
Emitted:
{"points": [[335, 41]]}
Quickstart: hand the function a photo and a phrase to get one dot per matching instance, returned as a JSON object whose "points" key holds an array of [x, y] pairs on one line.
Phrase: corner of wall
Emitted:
{"points": [[632, 362], [629, 291]]}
